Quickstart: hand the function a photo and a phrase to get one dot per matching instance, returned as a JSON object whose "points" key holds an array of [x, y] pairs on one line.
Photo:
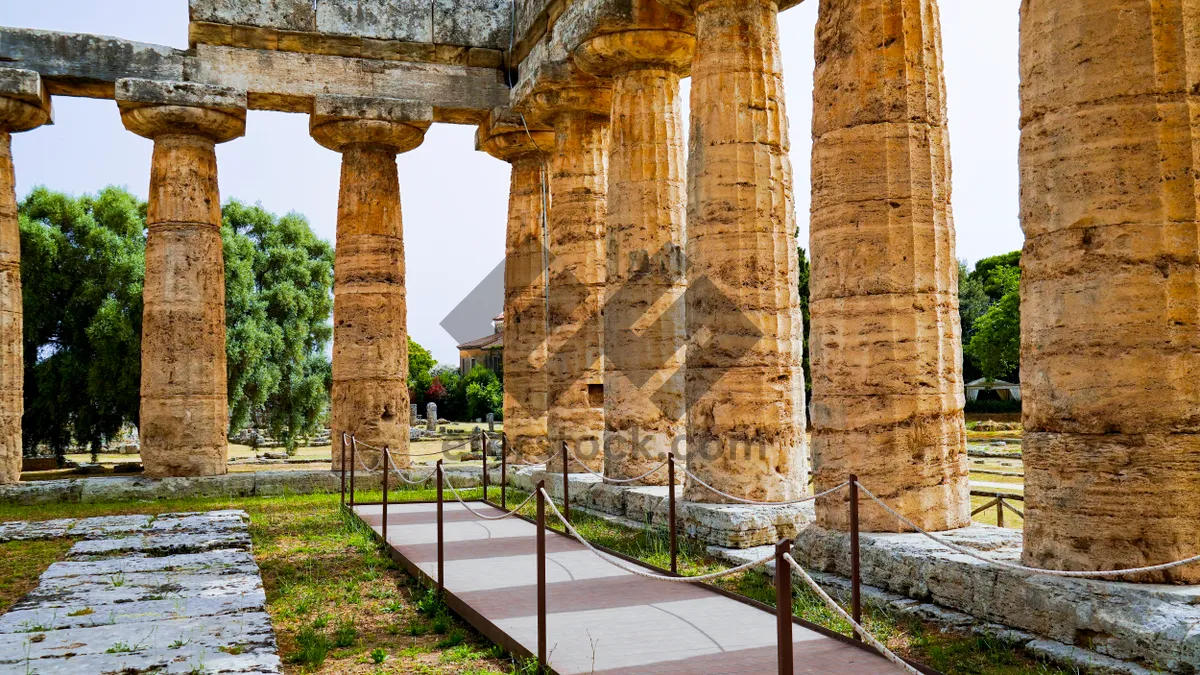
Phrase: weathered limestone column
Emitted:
{"points": [[644, 329], [578, 193], [503, 136], [184, 414], [1110, 296], [745, 386], [370, 335], [24, 105], [887, 372]]}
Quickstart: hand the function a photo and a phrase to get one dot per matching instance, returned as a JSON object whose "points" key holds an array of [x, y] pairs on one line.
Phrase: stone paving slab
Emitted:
{"points": [[177, 593]]}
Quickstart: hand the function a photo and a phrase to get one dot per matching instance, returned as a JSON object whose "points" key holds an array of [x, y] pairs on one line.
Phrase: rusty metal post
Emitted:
{"points": [[343, 469], [541, 573], [441, 539], [671, 512], [855, 577], [783, 606], [353, 459], [566, 486], [503, 471], [387, 456], [999, 511], [483, 435]]}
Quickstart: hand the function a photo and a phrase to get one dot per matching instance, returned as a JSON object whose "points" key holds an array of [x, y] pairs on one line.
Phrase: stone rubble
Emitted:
{"points": [[176, 593]]}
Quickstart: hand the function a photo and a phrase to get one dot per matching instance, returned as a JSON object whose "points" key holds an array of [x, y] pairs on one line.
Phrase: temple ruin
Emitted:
{"points": [[652, 298]]}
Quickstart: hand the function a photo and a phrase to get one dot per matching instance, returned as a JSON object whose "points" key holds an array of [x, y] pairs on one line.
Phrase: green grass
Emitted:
{"points": [[335, 598]]}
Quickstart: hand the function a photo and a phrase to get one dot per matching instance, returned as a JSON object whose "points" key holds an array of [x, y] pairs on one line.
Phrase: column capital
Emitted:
{"points": [[503, 134], [690, 7], [339, 122], [591, 98], [151, 108], [611, 54], [24, 101]]}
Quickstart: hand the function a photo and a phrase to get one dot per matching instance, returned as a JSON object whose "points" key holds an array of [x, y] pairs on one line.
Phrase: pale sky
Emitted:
{"points": [[455, 199]]}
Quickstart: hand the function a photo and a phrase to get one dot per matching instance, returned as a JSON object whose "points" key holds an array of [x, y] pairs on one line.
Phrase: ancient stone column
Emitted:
{"points": [[184, 414], [644, 329], [578, 192], [1110, 295], [744, 382], [504, 136], [24, 105], [370, 335], [885, 337]]}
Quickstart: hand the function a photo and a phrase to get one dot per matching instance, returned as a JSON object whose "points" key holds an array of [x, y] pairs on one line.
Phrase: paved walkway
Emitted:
{"points": [[601, 619], [176, 593]]}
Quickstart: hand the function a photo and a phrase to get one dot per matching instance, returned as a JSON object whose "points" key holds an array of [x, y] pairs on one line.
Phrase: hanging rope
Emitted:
{"points": [[477, 514], [1022, 568], [870, 639], [607, 479]]}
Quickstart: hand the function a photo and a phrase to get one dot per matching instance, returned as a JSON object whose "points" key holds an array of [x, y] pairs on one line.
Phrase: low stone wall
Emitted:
{"points": [[1156, 626], [727, 525], [249, 484]]}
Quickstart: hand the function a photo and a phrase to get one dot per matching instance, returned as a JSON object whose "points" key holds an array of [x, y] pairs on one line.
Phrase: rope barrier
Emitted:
{"points": [[617, 562], [755, 502], [400, 474], [477, 514], [1022, 568], [870, 639], [607, 479]]}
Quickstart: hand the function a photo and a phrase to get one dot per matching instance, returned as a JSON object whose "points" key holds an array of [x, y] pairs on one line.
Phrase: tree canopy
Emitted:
{"points": [[82, 268], [989, 305], [278, 278]]}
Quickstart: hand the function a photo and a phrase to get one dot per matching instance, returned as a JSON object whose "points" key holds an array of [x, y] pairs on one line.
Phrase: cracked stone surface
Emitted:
{"points": [[176, 593]]}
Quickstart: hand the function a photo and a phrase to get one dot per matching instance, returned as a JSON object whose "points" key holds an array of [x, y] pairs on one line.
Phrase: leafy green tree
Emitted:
{"points": [[278, 280], [991, 273], [82, 270], [483, 392], [973, 301], [996, 343], [804, 270], [420, 372], [448, 391]]}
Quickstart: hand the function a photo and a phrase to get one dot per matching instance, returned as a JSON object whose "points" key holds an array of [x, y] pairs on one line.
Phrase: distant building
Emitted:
{"points": [[992, 389], [486, 351]]}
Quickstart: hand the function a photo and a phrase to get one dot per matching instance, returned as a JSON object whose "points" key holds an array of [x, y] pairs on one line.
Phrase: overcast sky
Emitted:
{"points": [[454, 198]]}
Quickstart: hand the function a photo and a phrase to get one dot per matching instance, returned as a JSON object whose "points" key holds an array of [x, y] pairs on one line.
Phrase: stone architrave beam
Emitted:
{"points": [[24, 105], [370, 334], [80, 64], [184, 417]]}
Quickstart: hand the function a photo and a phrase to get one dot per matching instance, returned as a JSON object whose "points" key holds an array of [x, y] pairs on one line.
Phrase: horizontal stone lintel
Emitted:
{"points": [[272, 39], [136, 92], [84, 65]]}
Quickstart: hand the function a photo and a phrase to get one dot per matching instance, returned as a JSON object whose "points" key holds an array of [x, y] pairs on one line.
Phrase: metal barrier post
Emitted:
{"points": [[541, 573], [483, 434], [441, 539], [783, 606], [503, 470], [566, 486], [671, 512], [387, 456], [343, 469], [353, 460], [855, 580]]}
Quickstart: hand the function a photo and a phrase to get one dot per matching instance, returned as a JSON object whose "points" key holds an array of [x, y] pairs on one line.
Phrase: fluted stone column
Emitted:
{"points": [[505, 137], [644, 329], [184, 413], [578, 195], [886, 366], [1110, 296], [370, 335], [24, 105], [745, 386]]}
